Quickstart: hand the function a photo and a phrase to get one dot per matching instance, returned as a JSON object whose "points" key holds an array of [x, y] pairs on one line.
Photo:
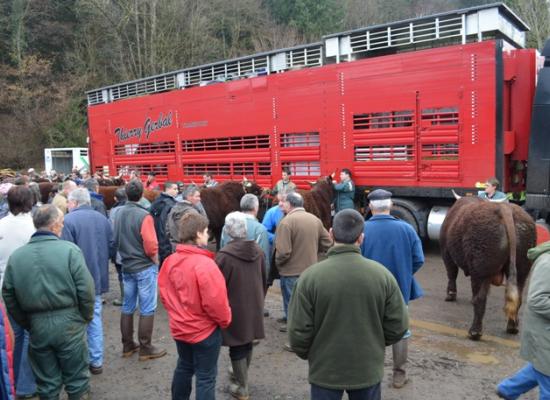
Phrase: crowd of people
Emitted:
{"points": [[339, 313]]}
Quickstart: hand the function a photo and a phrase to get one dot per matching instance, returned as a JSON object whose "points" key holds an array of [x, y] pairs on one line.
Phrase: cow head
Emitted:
{"points": [[324, 186], [252, 187]]}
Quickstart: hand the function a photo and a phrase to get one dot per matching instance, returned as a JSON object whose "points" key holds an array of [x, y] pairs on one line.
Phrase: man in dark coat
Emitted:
{"points": [[93, 234], [243, 265], [395, 245], [96, 199], [159, 210]]}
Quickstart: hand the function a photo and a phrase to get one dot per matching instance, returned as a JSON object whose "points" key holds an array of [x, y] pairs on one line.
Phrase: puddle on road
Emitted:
{"points": [[482, 358], [460, 351]]}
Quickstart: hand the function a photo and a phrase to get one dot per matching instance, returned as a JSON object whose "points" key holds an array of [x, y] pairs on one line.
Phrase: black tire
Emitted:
{"points": [[403, 214]]}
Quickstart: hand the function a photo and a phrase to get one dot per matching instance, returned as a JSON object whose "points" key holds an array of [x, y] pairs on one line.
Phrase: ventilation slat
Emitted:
{"points": [[308, 139], [145, 148], [384, 153], [383, 120], [142, 169], [226, 143], [303, 168]]}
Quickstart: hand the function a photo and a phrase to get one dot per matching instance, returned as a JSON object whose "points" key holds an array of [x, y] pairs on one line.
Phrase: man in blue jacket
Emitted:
{"points": [[395, 245], [92, 233], [96, 199]]}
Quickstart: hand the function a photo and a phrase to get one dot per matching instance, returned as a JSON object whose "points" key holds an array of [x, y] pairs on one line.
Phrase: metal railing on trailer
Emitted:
{"points": [[455, 27]]}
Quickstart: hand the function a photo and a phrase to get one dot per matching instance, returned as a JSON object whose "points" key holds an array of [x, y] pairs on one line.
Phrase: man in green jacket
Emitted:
{"points": [[344, 192], [343, 313], [535, 336], [49, 291]]}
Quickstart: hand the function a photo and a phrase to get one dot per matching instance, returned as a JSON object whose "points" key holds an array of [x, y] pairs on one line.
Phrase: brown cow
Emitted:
{"points": [[115, 181], [108, 193], [488, 241], [317, 201], [46, 189], [220, 200], [151, 195]]}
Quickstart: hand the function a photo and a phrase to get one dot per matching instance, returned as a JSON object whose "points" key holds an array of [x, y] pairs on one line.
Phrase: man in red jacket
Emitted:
{"points": [[193, 291]]}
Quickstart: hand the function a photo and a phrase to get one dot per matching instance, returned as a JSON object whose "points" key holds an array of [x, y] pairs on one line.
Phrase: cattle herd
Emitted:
{"points": [[487, 240]]}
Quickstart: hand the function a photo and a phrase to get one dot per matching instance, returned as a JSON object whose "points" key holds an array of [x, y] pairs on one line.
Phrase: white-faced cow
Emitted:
{"points": [[489, 242]]}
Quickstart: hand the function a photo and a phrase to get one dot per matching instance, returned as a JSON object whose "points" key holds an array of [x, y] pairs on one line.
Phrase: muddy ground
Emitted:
{"points": [[443, 364]]}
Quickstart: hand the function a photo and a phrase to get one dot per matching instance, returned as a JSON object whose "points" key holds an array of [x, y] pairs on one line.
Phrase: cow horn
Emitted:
{"points": [[456, 195]]}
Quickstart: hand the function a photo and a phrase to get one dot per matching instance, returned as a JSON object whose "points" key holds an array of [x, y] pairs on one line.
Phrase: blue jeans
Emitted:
{"points": [[371, 393], [287, 285], [200, 359], [25, 383], [142, 285], [95, 335], [524, 380]]}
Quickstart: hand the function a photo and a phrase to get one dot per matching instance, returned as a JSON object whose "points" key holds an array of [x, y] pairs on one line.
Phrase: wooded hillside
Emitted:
{"points": [[52, 51]]}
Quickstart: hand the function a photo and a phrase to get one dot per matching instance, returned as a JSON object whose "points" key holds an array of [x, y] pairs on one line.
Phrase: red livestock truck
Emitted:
{"points": [[418, 107]]}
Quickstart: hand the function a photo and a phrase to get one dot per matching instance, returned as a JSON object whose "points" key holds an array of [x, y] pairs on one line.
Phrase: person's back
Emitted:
{"points": [[55, 282], [300, 238], [535, 338], [59, 299], [127, 229], [97, 200], [160, 208], [15, 231], [535, 334], [359, 307], [245, 276], [272, 217], [137, 244], [92, 233], [394, 244], [343, 313], [255, 231]]}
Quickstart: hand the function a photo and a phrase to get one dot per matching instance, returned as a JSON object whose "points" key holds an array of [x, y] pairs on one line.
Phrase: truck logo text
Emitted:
{"points": [[149, 127]]}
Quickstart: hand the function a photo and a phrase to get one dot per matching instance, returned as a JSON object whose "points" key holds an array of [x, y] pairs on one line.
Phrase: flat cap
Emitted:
{"points": [[379, 194]]}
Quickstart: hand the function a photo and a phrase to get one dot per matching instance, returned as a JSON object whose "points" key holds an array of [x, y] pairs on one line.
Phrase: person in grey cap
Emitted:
{"points": [[396, 245]]}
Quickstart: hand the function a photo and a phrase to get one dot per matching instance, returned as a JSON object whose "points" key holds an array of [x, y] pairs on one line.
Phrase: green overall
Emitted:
{"points": [[49, 291]]}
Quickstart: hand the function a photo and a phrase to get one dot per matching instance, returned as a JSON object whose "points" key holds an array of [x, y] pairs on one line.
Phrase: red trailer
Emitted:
{"points": [[418, 107]]}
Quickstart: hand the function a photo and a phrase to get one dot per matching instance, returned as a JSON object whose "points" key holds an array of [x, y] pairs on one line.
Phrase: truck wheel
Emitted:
{"points": [[403, 214]]}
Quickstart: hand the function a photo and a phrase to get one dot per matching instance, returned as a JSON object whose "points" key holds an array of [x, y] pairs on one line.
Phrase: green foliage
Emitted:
{"points": [[312, 18], [69, 130]]}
